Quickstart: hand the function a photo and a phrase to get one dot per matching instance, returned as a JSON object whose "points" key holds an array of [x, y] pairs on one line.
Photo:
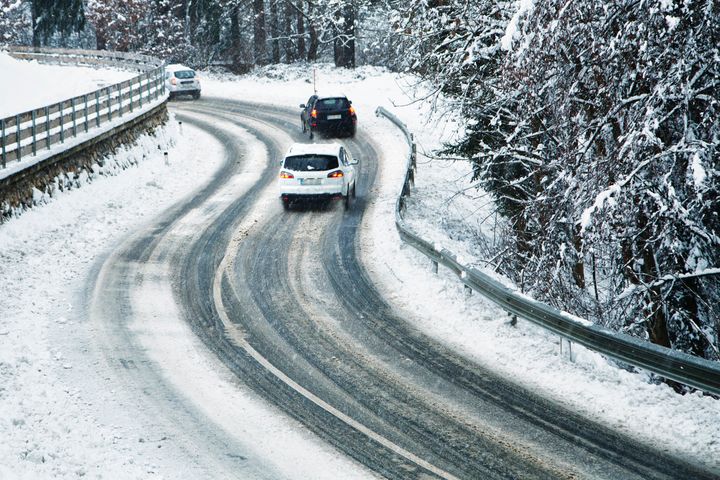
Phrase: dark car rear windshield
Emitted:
{"points": [[185, 74], [339, 103], [309, 163]]}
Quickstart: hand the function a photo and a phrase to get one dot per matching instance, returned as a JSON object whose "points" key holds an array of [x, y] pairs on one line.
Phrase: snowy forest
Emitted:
{"points": [[592, 127]]}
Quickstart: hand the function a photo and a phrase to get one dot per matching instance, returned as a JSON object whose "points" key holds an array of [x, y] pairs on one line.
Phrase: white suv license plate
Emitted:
{"points": [[310, 181], [334, 117]]}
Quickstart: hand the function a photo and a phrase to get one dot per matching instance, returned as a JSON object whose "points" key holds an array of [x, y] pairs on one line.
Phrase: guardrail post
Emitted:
{"points": [[434, 267], [47, 127], [34, 133], [2, 142], [120, 100], [97, 108], [62, 122], [19, 143], [85, 112], [131, 95], [149, 91], [74, 117], [109, 103], [568, 350]]}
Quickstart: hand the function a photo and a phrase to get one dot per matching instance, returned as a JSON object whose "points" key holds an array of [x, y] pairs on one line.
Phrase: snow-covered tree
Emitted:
{"points": [[15, 22], [613, 163], [594, 125], [118, 23], [164, 33]]}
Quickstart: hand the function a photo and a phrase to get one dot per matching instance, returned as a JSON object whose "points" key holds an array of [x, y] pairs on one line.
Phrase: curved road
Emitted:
{"points": [[283, 300]]}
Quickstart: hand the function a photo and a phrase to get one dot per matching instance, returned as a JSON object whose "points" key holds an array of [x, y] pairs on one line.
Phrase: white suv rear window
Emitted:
{"points": [[310, 163], [183, 74]]}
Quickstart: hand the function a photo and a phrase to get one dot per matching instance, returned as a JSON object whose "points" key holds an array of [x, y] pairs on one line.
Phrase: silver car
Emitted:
{"points": [[181, 80], [317, 172]]}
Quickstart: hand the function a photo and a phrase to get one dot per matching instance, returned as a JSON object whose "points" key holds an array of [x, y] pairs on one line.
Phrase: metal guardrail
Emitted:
{"points": [[680, 367], [28, 133]]}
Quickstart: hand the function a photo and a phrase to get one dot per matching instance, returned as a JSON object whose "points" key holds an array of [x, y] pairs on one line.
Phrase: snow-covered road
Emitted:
{"points": [[66, 414]]}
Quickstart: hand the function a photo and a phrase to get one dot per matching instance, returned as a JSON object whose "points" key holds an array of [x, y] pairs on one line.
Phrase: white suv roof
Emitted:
{"points": [[175, 67], [314, 148]]}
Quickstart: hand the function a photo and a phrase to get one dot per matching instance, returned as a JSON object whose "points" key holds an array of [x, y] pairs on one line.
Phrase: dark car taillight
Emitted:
{"points": [[336, 174], [284, 174]]}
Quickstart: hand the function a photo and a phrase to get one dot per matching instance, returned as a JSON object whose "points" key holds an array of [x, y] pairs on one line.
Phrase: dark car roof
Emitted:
{"points": [[323, 97]]}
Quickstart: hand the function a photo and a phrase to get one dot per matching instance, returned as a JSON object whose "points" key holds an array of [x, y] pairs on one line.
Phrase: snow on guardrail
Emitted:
{"points": [[29, 133]]}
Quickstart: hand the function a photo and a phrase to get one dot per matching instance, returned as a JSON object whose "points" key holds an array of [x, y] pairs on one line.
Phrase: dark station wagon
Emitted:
{"points": [[330, 115]]}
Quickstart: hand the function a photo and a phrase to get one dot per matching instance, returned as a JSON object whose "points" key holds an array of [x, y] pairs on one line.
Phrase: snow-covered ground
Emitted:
{"points": [[54, 425]]}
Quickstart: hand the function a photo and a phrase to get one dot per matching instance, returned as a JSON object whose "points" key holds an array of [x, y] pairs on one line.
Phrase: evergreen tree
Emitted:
{"points": [[56, 17]]}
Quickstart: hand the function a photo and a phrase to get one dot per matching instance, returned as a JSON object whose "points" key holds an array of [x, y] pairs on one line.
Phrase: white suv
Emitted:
{"points": [[181, 80], [317, 172]]}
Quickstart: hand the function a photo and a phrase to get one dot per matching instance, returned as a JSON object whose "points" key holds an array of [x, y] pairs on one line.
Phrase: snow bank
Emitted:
{"points": [[26, 85]]}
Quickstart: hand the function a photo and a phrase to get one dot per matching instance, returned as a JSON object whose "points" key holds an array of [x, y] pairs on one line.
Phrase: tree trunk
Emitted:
{"points": [[259, 34], [35, 35], [314, 40], [654, 304], [288, 46], [186, 20], [274, 32], [344, 44], [301, 36], [687, 304], [579, 266], [235, 41]]}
